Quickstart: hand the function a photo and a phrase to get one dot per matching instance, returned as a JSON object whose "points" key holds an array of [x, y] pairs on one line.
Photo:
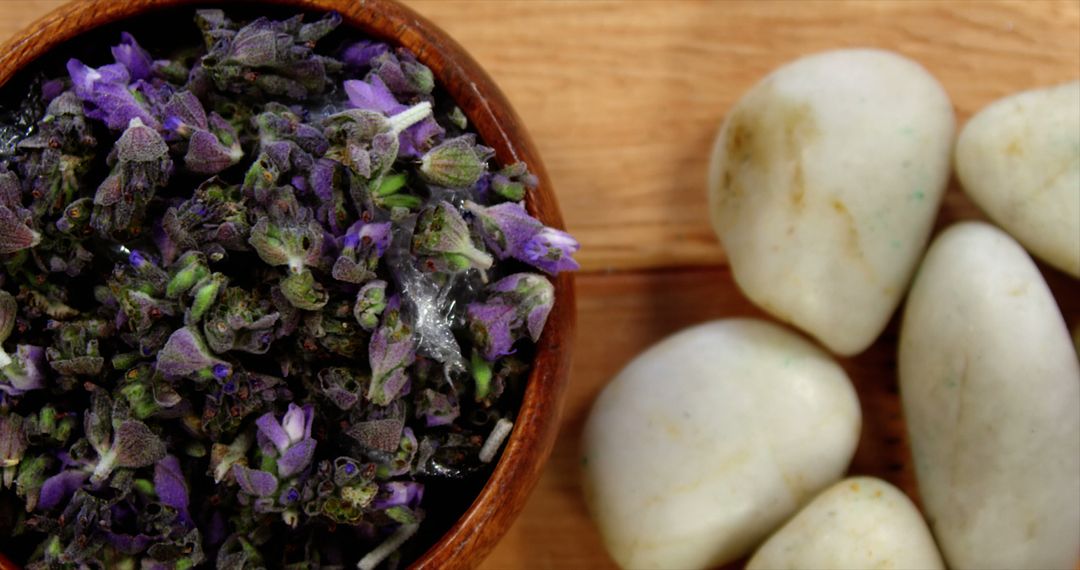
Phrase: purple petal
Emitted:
{"points": [[131, 56], [551, 251], [360, 54], [506, 227], [374, 96], [492, 324], [322, 179], [184, 353], [272, 430], [536, 320], [399, 493], [255, 482], [186, 109], [420, 138], [171, 487], [59, 488], [106, 91], [206, 154], [296, 458], [297, 422], [376, 236], [391, 350]]}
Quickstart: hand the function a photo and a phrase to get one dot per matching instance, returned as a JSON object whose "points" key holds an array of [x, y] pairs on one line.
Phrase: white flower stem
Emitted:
{"points": [[104, 467], [388, 546], [495, 439], [410, 117]]}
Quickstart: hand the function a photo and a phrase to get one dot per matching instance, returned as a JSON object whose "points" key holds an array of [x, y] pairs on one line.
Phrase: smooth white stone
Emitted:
{"points": [[858, 524], [991, 392], [707, 441], [1019, 160], [823, 188]]}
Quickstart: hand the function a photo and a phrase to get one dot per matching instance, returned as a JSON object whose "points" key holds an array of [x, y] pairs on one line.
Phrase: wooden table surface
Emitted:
{"points": [[623, 100]]}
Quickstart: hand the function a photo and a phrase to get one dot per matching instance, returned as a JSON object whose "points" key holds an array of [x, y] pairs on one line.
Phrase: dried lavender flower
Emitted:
{"points": [[456, 163], [245, 290], [442, 236]]}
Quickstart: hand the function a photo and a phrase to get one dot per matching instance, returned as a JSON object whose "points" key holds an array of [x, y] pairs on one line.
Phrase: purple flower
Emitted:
{"points": [[372, 95], [509, 231], [533, 294], [493, 325], [402, 73], [516, 306], [291, 438], [60, 487], [142, 165], [392, 350], [399, 494], [133, 57], [185, 354], [362, 248], [255, 482], [171, 487], [436, 408], [105, 90], [185, 112], [206, 154], [25, 372], [360, 54], [296, 243], [420, 138], [213, 144], [294, 427]]}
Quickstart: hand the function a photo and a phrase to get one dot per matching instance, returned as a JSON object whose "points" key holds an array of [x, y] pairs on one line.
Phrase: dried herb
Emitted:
{"points": [[233, 325]]}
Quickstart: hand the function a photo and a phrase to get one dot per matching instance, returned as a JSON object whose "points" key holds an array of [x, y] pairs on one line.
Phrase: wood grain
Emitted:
{"points": [[623, 100]]}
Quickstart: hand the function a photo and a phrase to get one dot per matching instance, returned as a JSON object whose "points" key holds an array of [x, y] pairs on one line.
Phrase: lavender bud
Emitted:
{"points": [[295, 244], [25, 372], [456, 163], [370, 303], [516, 306], [304, 292], [186, 272], [184, 354], [442, 232], [15, 232], [391, 351]]}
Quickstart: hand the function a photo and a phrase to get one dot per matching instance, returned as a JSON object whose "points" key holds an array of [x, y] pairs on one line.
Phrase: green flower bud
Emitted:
{"points": [[456, 163]]}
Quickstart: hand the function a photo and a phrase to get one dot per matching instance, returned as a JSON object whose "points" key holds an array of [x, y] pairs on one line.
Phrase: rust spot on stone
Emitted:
{"points": [[1014, 148], [798, 186]]}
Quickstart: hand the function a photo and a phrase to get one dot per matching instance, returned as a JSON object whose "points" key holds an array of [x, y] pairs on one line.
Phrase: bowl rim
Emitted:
{"points": [[518, 470]]}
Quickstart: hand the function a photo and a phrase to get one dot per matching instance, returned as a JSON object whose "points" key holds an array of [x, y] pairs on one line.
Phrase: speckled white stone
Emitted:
{"points": [[861, 523], [1019, 160], [991, 391], [823, 187], [707, 441]]}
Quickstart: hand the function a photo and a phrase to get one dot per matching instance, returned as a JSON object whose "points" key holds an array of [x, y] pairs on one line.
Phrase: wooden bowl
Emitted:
{"points": [[475, 533]]}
